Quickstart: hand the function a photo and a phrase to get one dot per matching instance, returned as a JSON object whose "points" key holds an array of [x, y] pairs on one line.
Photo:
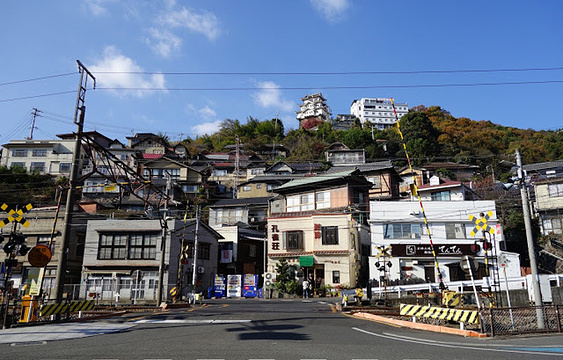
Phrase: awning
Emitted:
{"points": [[306, 261]]}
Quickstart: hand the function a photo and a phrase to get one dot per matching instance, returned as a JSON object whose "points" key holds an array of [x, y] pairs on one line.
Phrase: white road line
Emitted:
{"points": [[454, 346], [445, 342]]}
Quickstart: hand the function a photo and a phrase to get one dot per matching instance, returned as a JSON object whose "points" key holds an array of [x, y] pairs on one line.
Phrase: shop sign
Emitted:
{"points": [[275, 237], [423, 250]]}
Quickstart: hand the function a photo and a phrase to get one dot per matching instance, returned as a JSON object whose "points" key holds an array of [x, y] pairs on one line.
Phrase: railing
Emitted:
{"points": [[519, 320]]}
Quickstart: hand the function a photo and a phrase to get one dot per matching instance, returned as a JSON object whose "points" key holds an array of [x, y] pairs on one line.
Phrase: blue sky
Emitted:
{"points": [[182, 67]]}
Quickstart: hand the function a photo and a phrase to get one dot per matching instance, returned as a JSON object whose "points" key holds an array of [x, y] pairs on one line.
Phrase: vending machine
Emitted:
{"points": [[219, 286], [249, 286], [234, 285]]}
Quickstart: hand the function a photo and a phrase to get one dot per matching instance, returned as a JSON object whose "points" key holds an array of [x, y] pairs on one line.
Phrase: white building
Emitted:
{"points": [[378, 111], [400, 226], [44, 156], [313, 111]]}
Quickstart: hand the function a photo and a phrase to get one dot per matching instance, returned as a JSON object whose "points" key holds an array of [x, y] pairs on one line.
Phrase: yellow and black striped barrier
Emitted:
{"points": [[434, 312], [59, 308]]}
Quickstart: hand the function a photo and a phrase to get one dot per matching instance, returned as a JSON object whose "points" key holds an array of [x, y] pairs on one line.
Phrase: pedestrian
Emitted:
{"points": [[305, 289]]}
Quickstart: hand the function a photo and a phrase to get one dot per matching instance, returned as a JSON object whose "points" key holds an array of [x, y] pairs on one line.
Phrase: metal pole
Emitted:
{"points": [[530, 241], [194, 270], [79, 121], [164, 225], [508, 296]]}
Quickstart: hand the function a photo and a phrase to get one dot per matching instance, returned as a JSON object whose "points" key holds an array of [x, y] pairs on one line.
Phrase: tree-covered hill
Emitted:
{"points": [[430, 133]]}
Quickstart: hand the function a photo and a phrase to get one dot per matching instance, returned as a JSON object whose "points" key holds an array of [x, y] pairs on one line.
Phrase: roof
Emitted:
{"points": [[447, 165], [544, 165], [152, 156], [446, 183], [238, 202], [320, 179], [374, 166]]}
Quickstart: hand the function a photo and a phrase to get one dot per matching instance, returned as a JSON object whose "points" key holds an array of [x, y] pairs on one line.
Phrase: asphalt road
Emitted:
{"points": [[269, 329]]}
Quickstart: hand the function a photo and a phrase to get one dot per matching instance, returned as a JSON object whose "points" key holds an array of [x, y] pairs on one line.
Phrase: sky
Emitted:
{"points": [[180, 68]]}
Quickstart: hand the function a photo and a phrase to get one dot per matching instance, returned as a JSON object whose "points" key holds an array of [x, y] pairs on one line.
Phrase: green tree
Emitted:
{"points": [[285, 277]]}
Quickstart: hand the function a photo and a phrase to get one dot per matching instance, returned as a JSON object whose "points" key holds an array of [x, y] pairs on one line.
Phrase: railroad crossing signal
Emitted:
{"points": [[15, 215], [481, 223], [384, 252]]}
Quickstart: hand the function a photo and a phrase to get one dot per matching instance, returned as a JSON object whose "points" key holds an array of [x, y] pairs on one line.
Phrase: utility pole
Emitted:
{"points": [[164, 225], [237, 168], [35, 114], [530, 240], [194, 270], [79, 121]]}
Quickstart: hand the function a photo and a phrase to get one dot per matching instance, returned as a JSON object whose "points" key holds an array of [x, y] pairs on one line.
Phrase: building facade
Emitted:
{"points": [[318, 225], [313, 111], [377, 111], [399, 227]]}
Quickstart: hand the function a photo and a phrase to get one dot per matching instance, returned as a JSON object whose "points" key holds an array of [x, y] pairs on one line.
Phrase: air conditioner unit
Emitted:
{"points": [[200, 269]]}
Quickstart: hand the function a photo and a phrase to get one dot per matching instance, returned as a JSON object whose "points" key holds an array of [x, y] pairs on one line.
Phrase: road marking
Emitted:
{"points": [[444, 342], [454, 346], [180, 321], [552, 349]]}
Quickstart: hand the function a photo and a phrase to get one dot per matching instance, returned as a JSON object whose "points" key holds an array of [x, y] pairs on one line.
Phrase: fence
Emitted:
{"points": [[518, 320], [128, 293]]}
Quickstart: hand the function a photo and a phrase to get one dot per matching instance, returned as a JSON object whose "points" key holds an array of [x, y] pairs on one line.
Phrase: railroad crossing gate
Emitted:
{"points": [[481, 223], [15, 215]]}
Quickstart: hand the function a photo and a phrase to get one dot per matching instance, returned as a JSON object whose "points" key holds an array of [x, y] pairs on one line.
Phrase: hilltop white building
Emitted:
{"points": [[377, 111]]}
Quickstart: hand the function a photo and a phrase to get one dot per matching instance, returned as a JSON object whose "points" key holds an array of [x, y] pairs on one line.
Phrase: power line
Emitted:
{"points": [[36, 96], [36, 79], [337, 87], [334, 72]]}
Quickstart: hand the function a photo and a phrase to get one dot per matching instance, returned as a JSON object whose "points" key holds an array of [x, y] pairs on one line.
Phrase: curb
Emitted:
{"points": [[420, 326]]}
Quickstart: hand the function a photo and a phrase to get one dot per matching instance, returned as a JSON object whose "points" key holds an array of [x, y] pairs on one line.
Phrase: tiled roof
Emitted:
{"points": [[316, 179], [314, 252], [152, 156]]}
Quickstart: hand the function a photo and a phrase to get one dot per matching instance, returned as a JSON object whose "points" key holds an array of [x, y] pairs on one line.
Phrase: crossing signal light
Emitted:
{"points": [[487, 245], [475, 248], [16, 243]]}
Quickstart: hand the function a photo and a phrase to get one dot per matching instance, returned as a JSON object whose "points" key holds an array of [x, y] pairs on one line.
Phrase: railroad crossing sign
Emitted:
{"points": [[481, 223], [15, 215], [384, 252]]}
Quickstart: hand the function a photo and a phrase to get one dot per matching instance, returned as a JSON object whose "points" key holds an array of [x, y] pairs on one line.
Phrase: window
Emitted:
{"points": [[20, 165], [203, 251], [441, 196], [335, 276], [257, 171], [330, 235], [553, 225], [19, 153], [323, 199], [189, 188], [259, 186], [293, 240], [39, 152], [455, 231], [307, 202], [64, 167], [219, 172], [555, 190], [246, 188], [402, 231], [112, 246], [37, 166], [376, 180], [143, 246]]}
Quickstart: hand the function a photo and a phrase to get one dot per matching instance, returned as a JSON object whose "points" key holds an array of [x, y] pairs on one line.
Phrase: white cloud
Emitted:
{"points": [[98, 7], [204, 22], [270, 97], [126, 74], [331, 10], [206, 128], [163, 42], [207, 113]]}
